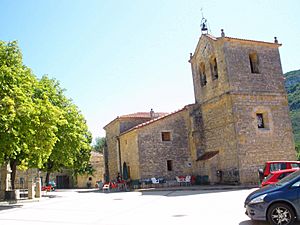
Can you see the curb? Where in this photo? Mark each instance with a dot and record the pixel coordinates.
(198, 188)
(17, 202)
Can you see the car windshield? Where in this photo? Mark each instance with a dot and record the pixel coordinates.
(288, 178)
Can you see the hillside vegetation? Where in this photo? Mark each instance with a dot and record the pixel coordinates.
(292, 84)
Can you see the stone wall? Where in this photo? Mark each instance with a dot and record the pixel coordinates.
(258, 145)
(230, 103)
(219, 134)
(86, 180)
(24, 177)
(154, 153)
(113, 131)
(128, 123)
(268, 79)
(206, 50)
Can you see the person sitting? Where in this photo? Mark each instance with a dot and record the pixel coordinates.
(119, 178)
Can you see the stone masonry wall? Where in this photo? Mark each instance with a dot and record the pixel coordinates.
(97, 162)
(269, 79)
(230, 103)
(112, 132)
(258, 145)
(128, 123)
(154, 153)
(206, 50)
(219, 133)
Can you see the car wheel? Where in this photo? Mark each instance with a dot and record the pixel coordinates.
(281, 214)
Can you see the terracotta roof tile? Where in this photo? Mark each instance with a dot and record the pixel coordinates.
(143, 115)
(156, 119)
(137, 115)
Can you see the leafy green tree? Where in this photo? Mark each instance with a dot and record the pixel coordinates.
(72, 148)
(27, 119)
(81, 163)
(99, 145)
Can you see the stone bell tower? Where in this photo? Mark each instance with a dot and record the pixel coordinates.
(240, 95)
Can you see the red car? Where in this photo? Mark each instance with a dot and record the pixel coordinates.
(275, 176)
(50, 187)
(271, 166)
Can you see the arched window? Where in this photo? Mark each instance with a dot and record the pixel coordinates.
(254, 62)
(203, 80)
(214, 68)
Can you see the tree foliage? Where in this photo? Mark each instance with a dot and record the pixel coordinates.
(28, 120)
(74, 139)
(99, 145)
(39, 126)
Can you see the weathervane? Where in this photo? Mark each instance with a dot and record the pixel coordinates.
(203, 24)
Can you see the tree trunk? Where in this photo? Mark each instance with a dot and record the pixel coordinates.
(47, 178)
(13, 167)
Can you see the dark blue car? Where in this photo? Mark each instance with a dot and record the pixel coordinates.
(278, 203)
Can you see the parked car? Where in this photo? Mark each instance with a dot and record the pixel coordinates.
(277, 203)
(50, 187)
(271, 166)
(275, 176)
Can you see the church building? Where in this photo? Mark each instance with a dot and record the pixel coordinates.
(239, 120)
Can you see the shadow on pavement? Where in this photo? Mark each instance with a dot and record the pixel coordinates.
(175, 193)
(6, 207)
(51, 196)
(252, 222)
(83, 191)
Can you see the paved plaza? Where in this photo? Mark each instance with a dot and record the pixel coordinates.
(169, 207)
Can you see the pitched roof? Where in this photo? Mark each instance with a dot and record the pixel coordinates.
(143, 115)
(138, 115)
(155, 119)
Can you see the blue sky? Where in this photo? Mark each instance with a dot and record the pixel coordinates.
(120, 57)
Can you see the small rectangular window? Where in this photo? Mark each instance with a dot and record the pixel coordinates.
(260, 120)
(166, 136)
(169, 165)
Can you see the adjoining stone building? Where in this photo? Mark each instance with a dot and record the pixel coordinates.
(90, 180)
(157, 148)
(239, 120)
(112, 161)
(63, 179)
